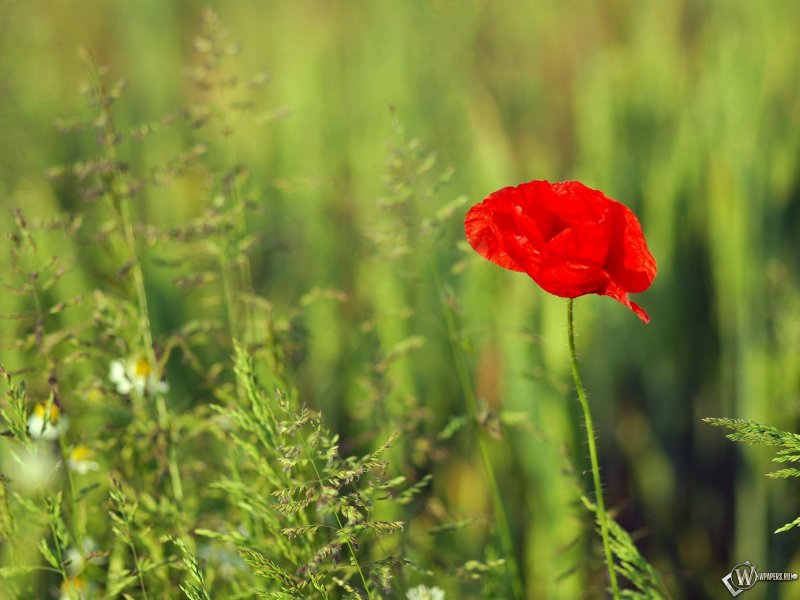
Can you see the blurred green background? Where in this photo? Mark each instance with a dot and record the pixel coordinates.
(686, 111)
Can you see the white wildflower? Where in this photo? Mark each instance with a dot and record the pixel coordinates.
(74, 561)
(423, 592)
(46, 422)
(80, 460)
(135, 375)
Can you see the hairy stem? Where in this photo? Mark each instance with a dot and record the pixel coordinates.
(587, 416)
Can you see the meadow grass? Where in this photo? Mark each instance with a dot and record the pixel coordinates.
(270, 222)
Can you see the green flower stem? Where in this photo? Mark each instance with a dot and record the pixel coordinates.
(78, 509)
(120, 205)
(587, 416)
(149, 350)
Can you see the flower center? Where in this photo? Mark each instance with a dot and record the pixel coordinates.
(81, 453)
(42, 411)
(142, 368)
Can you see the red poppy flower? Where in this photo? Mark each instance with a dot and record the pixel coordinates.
(571, 240)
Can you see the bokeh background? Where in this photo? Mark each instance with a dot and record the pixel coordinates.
(688, 111)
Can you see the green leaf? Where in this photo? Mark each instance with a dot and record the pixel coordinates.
(789, 526)
(48, 554)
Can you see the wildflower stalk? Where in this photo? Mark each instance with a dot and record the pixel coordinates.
(62, 569)
(587, 417)
(245, 272)
(503, 528)
(78, 514)
(121, 206)
(139, 573)
(230, 302)
(147, 339)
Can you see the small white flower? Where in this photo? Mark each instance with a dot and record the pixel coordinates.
(47, 423)
(80, 460)
(423, 592)
(135, 375)
(74, 561)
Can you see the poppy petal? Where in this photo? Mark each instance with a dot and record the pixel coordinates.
(486, 225)
(570, 239)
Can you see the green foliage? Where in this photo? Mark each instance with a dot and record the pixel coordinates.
(231, 485)
(758, 434)
(308, 510)
(195, 587)
(629, 563)
(13, 411)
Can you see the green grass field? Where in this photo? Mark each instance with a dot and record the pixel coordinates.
(264, 209)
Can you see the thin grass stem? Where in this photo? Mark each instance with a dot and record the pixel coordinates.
(338, 520)
(121, 206)
(503, 528)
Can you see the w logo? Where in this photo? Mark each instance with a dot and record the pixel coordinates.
(742, 577)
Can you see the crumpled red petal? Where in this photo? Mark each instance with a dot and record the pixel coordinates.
(485, 226)
(570, 239)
